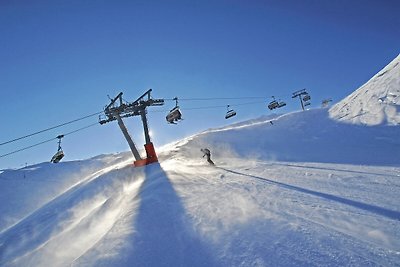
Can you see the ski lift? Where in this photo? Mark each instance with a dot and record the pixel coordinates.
(307, 104)
(230, 113)
(306, 97)
(273, 105)
(59, 154)
(326, 102)
(174, 114)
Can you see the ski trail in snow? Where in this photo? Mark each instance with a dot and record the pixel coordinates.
(225, 205)
(383, 174)
(48, 237)
(344, 219)
(391, 214)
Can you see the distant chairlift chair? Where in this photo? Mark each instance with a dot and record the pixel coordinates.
(174, 114)
(306, 100)
(273, 105)
(306, 97)
(230, 113)
(59, 154)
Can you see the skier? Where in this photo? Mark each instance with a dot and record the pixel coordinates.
(207, 153)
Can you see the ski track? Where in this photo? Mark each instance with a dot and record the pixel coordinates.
(292, 214)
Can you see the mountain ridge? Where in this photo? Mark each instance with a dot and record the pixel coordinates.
(377, 102)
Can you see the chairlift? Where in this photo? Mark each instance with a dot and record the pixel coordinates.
(273, 105)
(326, 102)
(276, 104)
(59, 154)
(230, 113)
(307, 104)
(174, 114)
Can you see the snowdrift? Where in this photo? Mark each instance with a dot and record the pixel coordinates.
(377, 102)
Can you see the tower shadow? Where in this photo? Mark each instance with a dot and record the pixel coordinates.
(164, 234)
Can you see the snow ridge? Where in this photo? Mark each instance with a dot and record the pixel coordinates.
(377, 102)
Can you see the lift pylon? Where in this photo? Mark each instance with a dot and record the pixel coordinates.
(303, 96)
(117, 110)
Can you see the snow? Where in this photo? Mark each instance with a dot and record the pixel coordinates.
(376, 102)
(309, 136)
(280, 194)
(307, 190)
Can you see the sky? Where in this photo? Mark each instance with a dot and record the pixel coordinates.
(63, 60)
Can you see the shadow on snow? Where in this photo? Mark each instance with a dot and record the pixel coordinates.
(164, 234)
(391, 214)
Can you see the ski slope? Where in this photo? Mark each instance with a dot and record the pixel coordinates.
(304, 191)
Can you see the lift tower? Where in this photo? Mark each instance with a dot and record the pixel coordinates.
(303, 96)
(117, 110)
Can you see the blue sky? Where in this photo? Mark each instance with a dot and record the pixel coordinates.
(60, 60)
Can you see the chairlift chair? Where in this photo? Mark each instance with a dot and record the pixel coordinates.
(307, 104)
(306, 97)
(326, 102)
(230, 113)
(59, 154)
(174, 114)
(57, 157)
(273, 105)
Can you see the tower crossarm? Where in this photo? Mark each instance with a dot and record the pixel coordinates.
(129, 109)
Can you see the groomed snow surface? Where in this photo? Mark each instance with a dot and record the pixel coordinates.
(303, 191)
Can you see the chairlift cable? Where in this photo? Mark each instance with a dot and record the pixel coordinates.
(215, 98)
(248, 103)
(223, 106)
(206, 107)
(217, 106)
(46, 141)
(28, 147)
(83, 128)
(98, 113)
(221, 98)
(51, 128)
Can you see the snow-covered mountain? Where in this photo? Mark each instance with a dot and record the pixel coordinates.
(304, 190)
(377, 102)
(309, 136)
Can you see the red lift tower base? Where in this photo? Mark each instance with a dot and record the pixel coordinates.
(151, 156)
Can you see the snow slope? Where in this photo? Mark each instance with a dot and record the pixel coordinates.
(376, 102)
(309, 136)
(304, 191)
